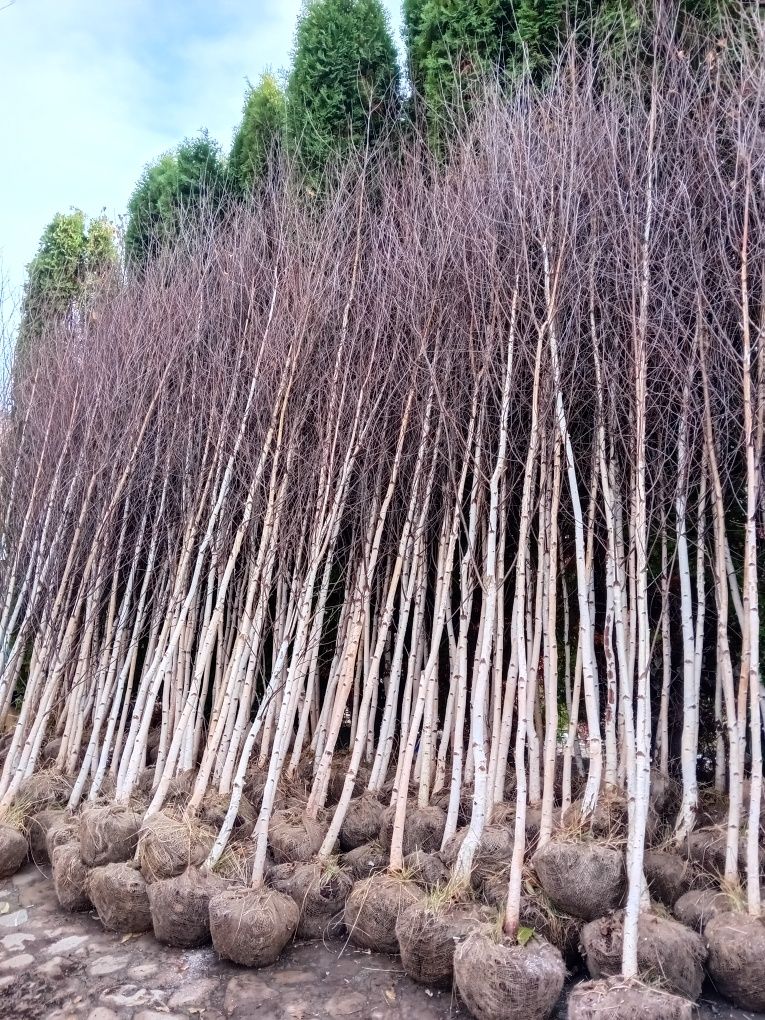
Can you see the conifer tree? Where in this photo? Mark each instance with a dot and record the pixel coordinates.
(192, 174)
(259, 135)
(412, 17)
(452, 42)
(344, 82)
(72, 255)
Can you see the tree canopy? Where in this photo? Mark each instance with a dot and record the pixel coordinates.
(259, 136)
(344, 80)
(192, 174)
(72, 254)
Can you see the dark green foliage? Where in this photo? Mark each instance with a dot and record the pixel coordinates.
(344, 80)
(456, 41)
(451, 42)
(72, 255)
(194, 173)
(260, 134)
(539, 27)
(412, 11)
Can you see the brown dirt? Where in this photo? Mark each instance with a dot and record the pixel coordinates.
(70, 877)
(108, 835)
(366, 860)
(168, 845)
(38, 827)
(423, 828)
(62, 830)
(427, 870)
(668, 875)
(697, 907)
(319, 891)
(362, 822)
(294, 837)
(213, 812)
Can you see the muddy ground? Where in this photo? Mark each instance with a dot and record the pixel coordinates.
(57, 966)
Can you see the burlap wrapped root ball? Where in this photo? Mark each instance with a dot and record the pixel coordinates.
(366, 860)
(668, 875)
(61, 832)
(707, 848)
(493, 855)
(428, 933)
(108, 835)
(238, 860)
(70, 877)
(373, 908)
(179, 907)
(607, 821)
(451, 848)
(320, 891)
(617, 999)
(537, 912)
(423, 828)
(337, 776)
(501, 980)
(13, 850)
(362, 822)
(168, 845)
(38, 827)
(252, 926)
(427, 870)
(121, 898)
(180, 788)
(668, 952)
(736, 963)
(214, 809)
(583, 879)
(44, 789)
(696, 908)
(293, 837)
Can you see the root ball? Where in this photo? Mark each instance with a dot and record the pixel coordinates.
(366, 860)
(582, 879)
(180, 908)
(319, 891)
(167, 846)
(667, 951)
(373, 908)
(108, 835)
(252, 926)
(616, 999)
(736, 943)
(13, 850)
(500, 980)
(362, 822)
(428, 934)
(70, 878)
(121, 898)
(294, 837)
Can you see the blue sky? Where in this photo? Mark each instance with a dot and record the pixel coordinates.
(91, 90)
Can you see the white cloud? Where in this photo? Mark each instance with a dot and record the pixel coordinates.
(90, 91)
